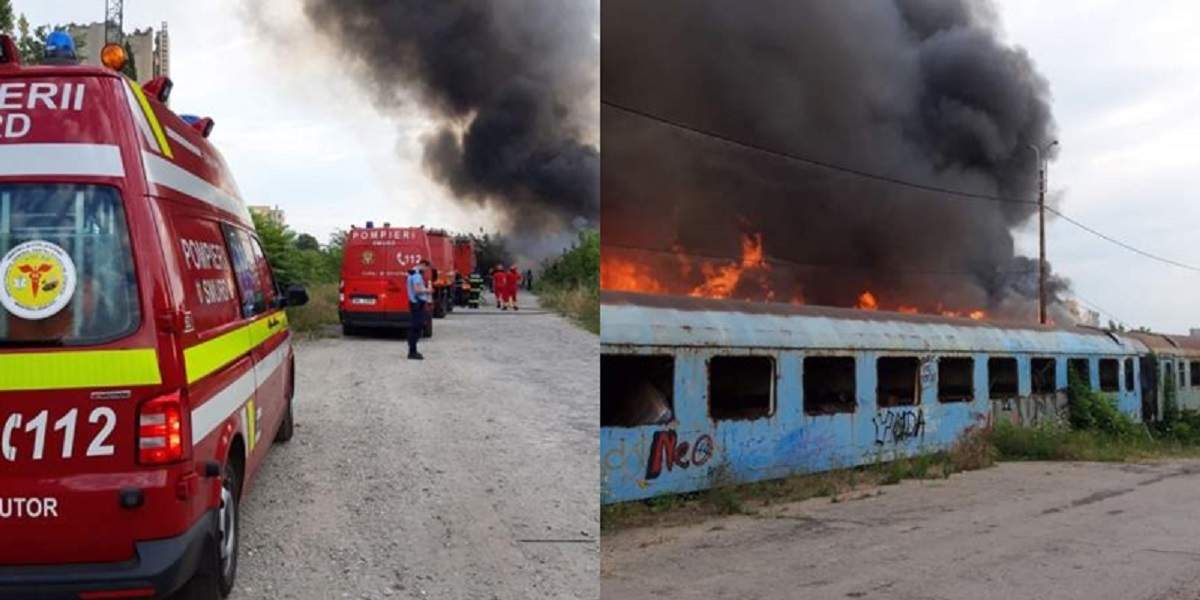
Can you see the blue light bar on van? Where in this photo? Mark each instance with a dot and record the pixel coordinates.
(203, 125)
(60, 44)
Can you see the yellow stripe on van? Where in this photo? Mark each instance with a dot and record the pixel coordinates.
(266, 327)
(155, 126)
(204, 358)
(251, 424)
(81, 369)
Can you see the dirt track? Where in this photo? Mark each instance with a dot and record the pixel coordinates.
(472, 474)
(1019, 530)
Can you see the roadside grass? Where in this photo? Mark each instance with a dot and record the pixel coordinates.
(580, 304)
(315, 318)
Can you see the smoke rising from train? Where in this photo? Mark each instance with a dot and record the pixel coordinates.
(512, 84)
(920, 90)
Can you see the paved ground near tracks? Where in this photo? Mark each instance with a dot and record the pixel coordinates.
(472, 474)
(1019, 530)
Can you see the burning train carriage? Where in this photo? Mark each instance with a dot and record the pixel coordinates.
(1171, 371)
(697, 392)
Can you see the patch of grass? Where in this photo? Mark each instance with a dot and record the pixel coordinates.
(580, 304)
(725, 500)
(1058, 442)
(314, 318)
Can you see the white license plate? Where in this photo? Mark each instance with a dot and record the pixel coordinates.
(367, 301)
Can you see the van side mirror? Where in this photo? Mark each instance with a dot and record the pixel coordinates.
(297, 295)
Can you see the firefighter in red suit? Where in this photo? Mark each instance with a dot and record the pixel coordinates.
(514, 284)
(500, 286)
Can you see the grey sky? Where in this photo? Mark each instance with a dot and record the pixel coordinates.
(1126, 86)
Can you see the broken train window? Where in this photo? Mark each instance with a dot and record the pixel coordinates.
(636, 390)
(829, 385)
(741, 387)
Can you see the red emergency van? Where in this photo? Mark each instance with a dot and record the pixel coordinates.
(375, 265)
(145, 359)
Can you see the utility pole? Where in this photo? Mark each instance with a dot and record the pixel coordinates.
(1042, 266)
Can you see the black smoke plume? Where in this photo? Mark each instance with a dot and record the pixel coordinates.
(919, 90)
(512, 82)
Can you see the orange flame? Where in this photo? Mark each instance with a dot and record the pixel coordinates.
(747, 278)
(720, 282)
(867, 301)
(627, 276)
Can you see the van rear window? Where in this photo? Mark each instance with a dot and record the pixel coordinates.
(66, 272)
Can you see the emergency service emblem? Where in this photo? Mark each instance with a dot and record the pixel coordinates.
(39, 280)
(368, 257)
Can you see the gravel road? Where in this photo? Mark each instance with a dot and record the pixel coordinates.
(472, 474)
(1019, 530)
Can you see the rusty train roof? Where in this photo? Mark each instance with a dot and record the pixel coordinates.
(647, 319)
(808, 310)
(1164, 343)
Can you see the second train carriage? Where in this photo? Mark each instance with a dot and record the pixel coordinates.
(1171, 371)
(698, 392)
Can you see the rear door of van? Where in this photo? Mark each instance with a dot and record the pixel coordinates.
(79, 349)
(373, 272)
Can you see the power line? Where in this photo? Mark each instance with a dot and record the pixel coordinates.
(887, 179)
(1122, 244)
(793, 263)
(814, 162)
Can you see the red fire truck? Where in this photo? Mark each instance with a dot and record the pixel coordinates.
(464, 266)
(375, 266)
(441, 255)
(145, 359)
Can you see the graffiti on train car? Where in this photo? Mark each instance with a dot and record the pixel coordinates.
(897, 426)
(667, 450)
(1031, 410)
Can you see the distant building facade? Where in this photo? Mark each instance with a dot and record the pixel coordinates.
(273, 214)
(149, 49)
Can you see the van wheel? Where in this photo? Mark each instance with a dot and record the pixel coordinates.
(229, 526)
(286, 429)
(214, 580)
(349, 330)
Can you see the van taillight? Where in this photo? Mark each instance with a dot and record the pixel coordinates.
(160, 430)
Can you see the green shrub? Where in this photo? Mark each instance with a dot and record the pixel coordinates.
(570, 283)
(319, 314)
(1092, 411)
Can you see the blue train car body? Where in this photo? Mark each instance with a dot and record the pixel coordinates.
(697, 393)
